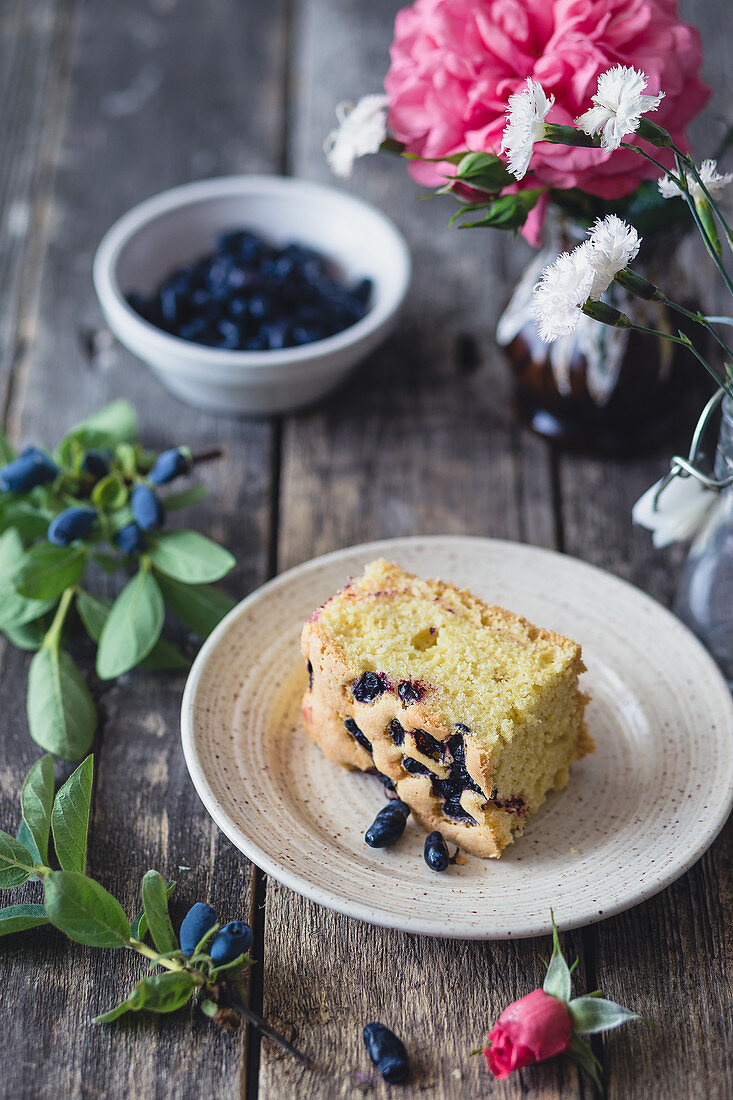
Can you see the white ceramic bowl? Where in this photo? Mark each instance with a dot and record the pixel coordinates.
(180, 225)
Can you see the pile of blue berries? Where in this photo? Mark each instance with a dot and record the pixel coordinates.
(250, 295)
(231, 941)
(389, 825)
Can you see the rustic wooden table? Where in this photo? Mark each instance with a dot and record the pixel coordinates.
(102, 105)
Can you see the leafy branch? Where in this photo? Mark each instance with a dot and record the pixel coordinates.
(210, 967)
(97, 502)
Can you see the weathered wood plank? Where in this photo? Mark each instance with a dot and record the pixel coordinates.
(415, 443)
(671, 958)
(159, 93)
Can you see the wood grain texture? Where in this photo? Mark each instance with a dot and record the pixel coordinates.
(154, 96)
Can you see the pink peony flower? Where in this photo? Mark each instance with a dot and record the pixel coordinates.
(455, 63)
(530, 1030)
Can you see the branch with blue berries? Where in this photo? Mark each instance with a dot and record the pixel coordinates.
(97, 501)
(205, 960)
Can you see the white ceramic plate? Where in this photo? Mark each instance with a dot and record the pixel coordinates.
(635, 815)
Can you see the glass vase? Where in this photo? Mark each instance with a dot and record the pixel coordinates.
(704, 598)
(603, 390)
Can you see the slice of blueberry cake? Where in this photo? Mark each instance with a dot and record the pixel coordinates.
(467, 712)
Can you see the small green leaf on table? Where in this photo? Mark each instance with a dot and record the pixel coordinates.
(16, 862)
(17, 918)
(159, 993)
(29, 636)
(25, 836)
(140, 923)
(557, 980)
(61, 712)
(36, 799)
(46, 570)
(117, 422)
(593, 1014)
(15, 610)
(155, 901)
(132, 627)
(199, 607)
(70, 817)
(190, 557)
(84, 911)
(165, 657)
(93, 612)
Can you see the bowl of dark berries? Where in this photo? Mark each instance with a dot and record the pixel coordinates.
(252, 294)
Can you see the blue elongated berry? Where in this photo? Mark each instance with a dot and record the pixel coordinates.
(32, 468)
(197, 922)
(147, 510)
(169, 465)
(70, 525)
(436, 851)
(130, 539)
(94, 464)
(387, 1052)
(232, 940)
(389, 824)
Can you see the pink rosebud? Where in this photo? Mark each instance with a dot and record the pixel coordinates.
(534, 1028)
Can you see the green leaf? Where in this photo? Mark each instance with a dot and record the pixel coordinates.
(105, 561)
(163, 992)
(109, 492)
(508, 211)
(199, 607)
(593, 1014)
(70, 817)
(46, 570)
(140, 923)
(61, 712)
(29, 636)
(25, 836)
(165, 657)
(240, 963)
(155, 901)
(557, 980)
(185, 498)
(7, 451)
(190, 557)
(586, 1059)
(132, 628)
(25, 518)
(17, 918)
(117, 422)
(16, 864)
(15, 610)
(93, 612)
(36, 799)
(112, 1013)
(84, 911)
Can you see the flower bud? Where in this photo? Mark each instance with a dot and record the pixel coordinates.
(536, 1027)
(569, 135)
(169, 465)
(70, 525)
(199, 920)
(232, 940)
(606, 314)
(147, 510)
(654, 134)
(639, 286)
(130, 539)
(32, 468)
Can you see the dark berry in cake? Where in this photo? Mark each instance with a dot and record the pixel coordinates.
(309, 666)
(414, 767)
(388, 826)
(369, 687)
(387, 1052)
(356, 733)
(436, 851)
(427, 744)
(408, 692)
(396, 732)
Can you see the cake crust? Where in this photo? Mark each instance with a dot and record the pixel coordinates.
(454, 776)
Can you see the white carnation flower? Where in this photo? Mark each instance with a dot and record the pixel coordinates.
(362, 129)
(562, 289)
(710, 176)
(619, 105)
(526, 113)
(613, 245)
(677, 512)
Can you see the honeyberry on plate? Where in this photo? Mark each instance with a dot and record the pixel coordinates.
(71, 524)
(436, 851)
(147, 509)
(389, 824)
(387, 1052)
(234, 939)
(199, 920)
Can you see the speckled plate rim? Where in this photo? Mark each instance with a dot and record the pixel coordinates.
(720, 808)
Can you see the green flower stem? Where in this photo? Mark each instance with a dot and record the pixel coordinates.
(53, 634)
(684, 342)
(709, 244)
(700, 319)
(149, 953)
(690, 163)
